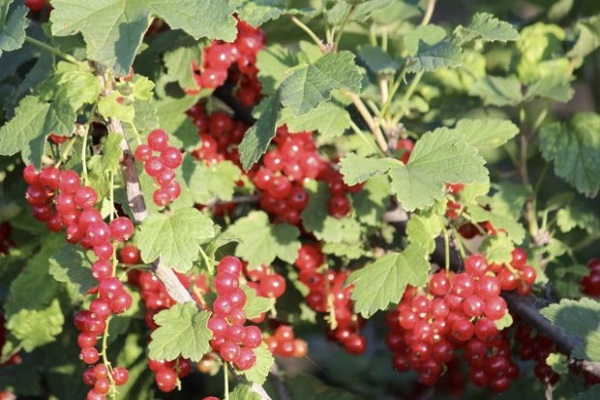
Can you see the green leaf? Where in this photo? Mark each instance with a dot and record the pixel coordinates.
(261, 241)
(34, 328)
(423, 228)
(498, 248)
(12, 28)
(352, 251)
(173, 119)
(116, 106)
(308, 86)
(33, 121)
(275, 63)
(377, 60)
(575, 215)
(257, 138)
(264, 361)
(182, 330)
(317, 220)
(500, 219)
(257, 12)
(179, 65)
(444, 54)
(364, 10)
(213, 181)
(592, 393)
(34, 278)
(243, 391)
(497, 91)
(579, 318)
(111, 153)
(574, 148)
(141, 88)
(422, 35)
(504, 322)
(71, 83)
(372, 201)
(555, 86)
(330, 119)
(558, 363)
(255, 304)
(588, 37)
(486, 133)
(383, 281)
(113, 29)
(71, 266)
(356, 169)
(436, 160)
(489, 28)
(175, 238)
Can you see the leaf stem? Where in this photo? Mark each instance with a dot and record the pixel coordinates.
(226, 382)
(360, 133)
(428, 12)
(409, 92)
(368, 118)
(50, 49)
(310, 33)
(336, 42)
(84, 173)
(392, 93)
(67, 151)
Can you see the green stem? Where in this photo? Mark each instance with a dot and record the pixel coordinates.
(428, 12)
(66, 152)
(447, 250)
(138, 137)
(84, 173)
(310, 33)
(409, 92)
(50, 49)
(362, 135)
(226, 381)
(206, 259)
(392, 93)
(105, 360)
(336, 42)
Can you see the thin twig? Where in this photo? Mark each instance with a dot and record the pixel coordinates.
(428, 12)
(371, 123)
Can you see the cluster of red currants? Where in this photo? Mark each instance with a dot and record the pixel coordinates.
(327, 294)
(281, 177)
(219, 135)
(161, 167)
(535, 346)
(231, 339)
(59, 199)
(590, 284)
(219, 58)
(155, 298)
(284, 344)
(265, 282)
(456, 311)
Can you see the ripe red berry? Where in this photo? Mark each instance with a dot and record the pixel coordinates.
(142, 153)
(121, 229)
(158, 140)
(166, 379)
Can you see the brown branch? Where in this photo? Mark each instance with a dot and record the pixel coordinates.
(137, 204)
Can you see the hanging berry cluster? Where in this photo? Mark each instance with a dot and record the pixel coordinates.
(234, 61)
(327, 294)
(161, 167)
(283, 343)
(457, 311)
(231, 339)
(59, 200)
